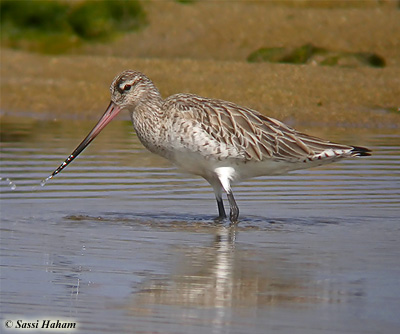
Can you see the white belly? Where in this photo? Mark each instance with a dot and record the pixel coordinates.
(198, 165)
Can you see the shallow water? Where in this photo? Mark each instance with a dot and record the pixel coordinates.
(122, 242)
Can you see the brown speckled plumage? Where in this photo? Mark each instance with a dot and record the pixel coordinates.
(215, 139)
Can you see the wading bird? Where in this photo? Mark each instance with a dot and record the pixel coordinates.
(215, 139)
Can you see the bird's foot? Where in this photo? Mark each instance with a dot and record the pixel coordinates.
(220, 219)
(234, 215)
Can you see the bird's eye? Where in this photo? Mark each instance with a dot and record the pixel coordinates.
(127, 87)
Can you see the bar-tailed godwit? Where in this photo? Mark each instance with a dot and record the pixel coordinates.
(215, 139)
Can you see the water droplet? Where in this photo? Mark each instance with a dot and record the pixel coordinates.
(12, 185)
(43, 183)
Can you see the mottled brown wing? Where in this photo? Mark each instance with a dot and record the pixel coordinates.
(254, 135)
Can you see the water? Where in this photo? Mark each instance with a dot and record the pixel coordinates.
(122, 242)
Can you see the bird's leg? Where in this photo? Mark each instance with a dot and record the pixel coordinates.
(234, 209)
(216, 184)
(225, 176)
(221, 209)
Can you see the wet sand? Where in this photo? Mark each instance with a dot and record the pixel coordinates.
(187, 48)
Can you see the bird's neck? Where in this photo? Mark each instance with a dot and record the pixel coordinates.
(147, 118)
(150, 102)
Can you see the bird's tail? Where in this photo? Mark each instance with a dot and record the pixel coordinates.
(358, 151)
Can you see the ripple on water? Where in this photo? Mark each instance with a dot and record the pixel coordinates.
(121, 240)
(124, 178)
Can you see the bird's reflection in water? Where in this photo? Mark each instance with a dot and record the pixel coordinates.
(226, 276)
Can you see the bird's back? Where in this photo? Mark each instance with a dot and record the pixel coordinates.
(222, 130)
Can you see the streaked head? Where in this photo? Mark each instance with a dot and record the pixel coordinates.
(127, 90)
(131, 87)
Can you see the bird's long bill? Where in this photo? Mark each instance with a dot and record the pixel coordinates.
(111, 112)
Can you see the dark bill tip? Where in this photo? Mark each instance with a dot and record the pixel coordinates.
(108, 116)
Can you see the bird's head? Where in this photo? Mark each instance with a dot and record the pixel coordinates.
(130, 88)
(127, 90)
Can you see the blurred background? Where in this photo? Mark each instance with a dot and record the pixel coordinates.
(331, 62)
